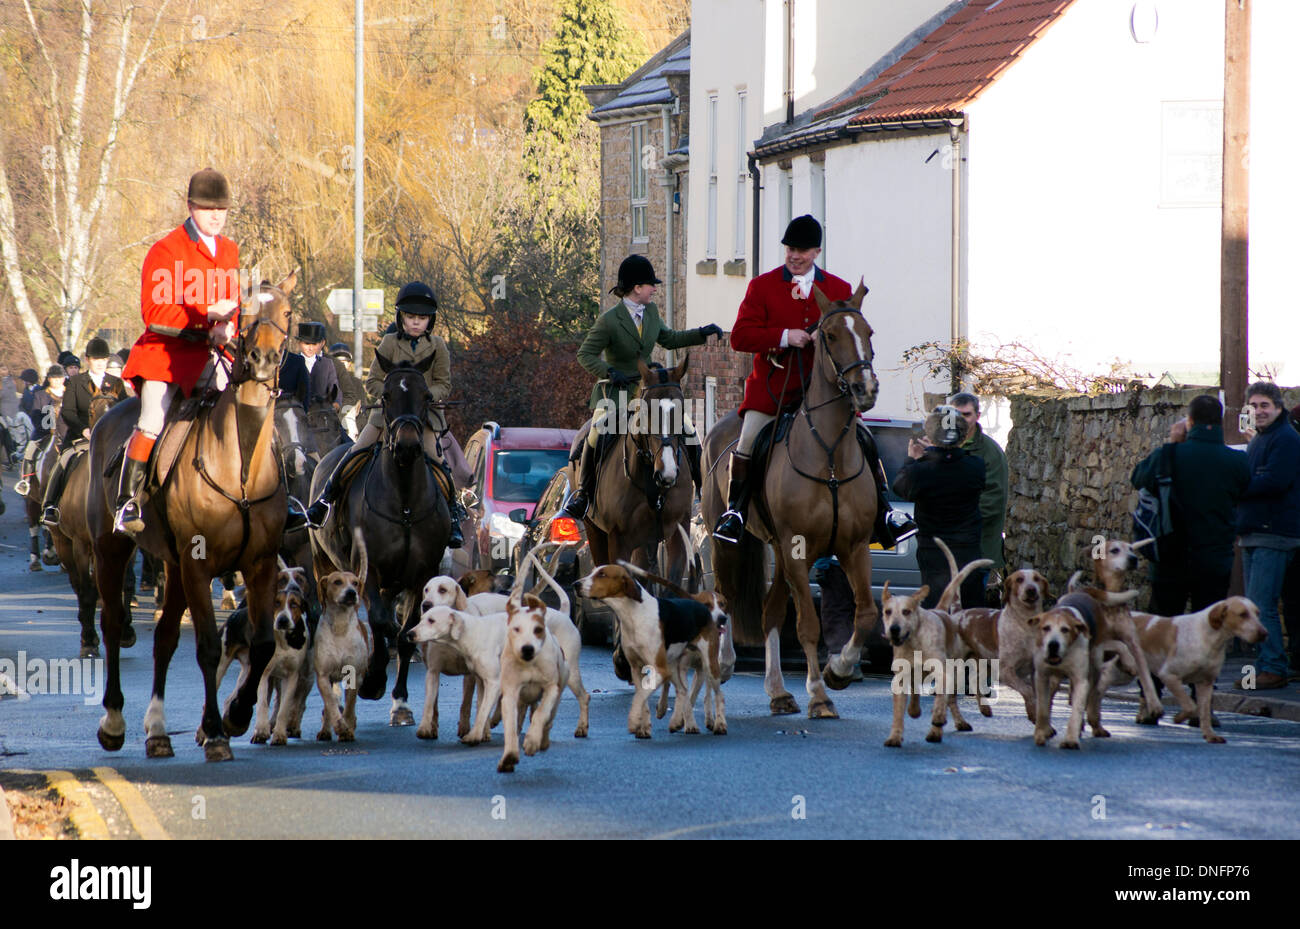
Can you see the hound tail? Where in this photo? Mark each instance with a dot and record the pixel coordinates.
(952, 593)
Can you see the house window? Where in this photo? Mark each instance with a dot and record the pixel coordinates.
(640, 230)
(817, 178)
(742, 170)
(711, 244)
(787, 197)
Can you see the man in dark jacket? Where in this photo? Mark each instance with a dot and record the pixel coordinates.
(82, 389)
(1208, 481)
(352, 393)
(945, 482)
(1268, 521)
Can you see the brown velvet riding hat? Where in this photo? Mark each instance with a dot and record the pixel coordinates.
(209, 190)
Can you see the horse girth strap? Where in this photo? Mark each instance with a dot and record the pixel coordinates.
(242, 501)
(832, 482)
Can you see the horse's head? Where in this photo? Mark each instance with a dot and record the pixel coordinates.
(661, 420)
(264, 328)
(406, 400)
(844, 348)
(98, 407)
(295, 438)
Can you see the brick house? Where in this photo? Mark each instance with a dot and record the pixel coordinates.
(644, 164)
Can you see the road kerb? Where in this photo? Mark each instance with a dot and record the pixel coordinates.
(138, 811)
(84, 816)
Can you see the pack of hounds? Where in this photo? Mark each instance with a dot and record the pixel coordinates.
(517, 655)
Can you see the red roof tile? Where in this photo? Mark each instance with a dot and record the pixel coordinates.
(953, 65)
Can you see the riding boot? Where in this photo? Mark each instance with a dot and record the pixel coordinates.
(578, 503)
(457, 512)
(130, 519)
(296, 517)
(693, 459)
(731, 526)
(891, 526)
(319, 511)
(53, 491)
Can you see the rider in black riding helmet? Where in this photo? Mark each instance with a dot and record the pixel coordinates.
(412, 343)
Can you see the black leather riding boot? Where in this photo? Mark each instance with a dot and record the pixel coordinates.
(578, 503)
(50, 498)
(457, 538)
(129, 517)
(693, 459)
(319, 511)
(731, 526)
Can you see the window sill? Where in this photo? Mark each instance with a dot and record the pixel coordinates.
(735, 268)
(707, 266)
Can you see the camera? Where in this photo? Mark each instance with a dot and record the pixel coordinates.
(1246, 420)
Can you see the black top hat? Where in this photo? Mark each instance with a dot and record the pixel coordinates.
(311, 332)
(97, 348)
(803, 232)
(635, 269)
(208, 190)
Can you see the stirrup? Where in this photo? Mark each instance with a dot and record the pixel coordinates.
(730, 528)
(318, 514)
(901, 526)
(50, 516)
(22, 487)
(128, 520)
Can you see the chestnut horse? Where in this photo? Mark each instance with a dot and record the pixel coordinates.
(644, 492)
(816, 498)
(201, 530)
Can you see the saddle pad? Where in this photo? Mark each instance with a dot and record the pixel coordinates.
(353, 468)
(768, 436)
(169, 444)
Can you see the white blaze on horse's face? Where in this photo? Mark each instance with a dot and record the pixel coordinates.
(668, 475)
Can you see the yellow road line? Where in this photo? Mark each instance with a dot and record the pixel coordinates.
(137, 810)
(90, 825)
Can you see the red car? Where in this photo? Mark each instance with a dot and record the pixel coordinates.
(510, 468)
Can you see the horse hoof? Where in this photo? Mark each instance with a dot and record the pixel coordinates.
(218, 749)
(233, 726)
(158, 746)
(111, 743)
(833, 680)
(824, 709)
(128, 637)
(89, 651)
(402, 716)
(783, 705)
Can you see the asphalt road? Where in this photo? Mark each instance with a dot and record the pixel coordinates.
(770, 777)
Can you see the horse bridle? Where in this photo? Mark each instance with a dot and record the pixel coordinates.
(391, 426)
(840, 372)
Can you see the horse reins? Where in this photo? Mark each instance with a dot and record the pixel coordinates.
(832, 482)
(655, 495)
(242, 501)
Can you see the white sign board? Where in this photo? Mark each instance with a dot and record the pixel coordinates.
(340, 301)
(368, 323)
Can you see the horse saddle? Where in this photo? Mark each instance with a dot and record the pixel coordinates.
(769, 436)
(180, 418)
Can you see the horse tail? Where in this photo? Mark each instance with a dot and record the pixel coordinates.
(740, 572)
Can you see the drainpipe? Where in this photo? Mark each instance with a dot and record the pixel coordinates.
(954, 136)
(667, 181)
(755, 177)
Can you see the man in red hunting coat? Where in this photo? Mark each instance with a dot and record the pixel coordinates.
(774, 317)
(189, 299)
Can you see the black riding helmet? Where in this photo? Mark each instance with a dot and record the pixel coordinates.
(417, 299)
(340, 350)
(635, 269)
(97, 348)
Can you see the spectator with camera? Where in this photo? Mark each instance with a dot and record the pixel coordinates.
(1268, 522)
(945, 481)
(1208, 479)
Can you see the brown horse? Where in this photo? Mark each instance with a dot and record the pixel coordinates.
(817, 497)
(72, 542)
(201, 529)
(643, 492)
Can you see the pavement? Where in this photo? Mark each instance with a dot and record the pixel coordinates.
(1283, 703)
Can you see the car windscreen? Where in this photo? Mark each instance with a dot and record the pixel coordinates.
(520, 476)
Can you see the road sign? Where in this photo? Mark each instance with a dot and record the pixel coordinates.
(340, 301)
(368, 323)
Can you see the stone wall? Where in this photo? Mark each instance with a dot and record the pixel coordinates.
(1070, 458)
